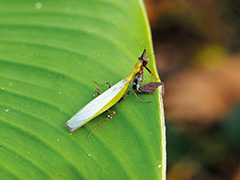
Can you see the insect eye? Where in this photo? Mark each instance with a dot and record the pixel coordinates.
(143, 58)
(145, 61)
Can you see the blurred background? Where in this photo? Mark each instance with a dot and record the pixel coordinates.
(197, 48)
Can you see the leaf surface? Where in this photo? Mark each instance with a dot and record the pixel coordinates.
(50, 53)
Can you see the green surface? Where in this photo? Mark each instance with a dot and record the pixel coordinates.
(50, 53)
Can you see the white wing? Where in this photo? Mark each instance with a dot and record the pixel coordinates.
(92, 108)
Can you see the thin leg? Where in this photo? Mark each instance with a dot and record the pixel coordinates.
(151, 73)
(108, 117)
(135, 95)
(97, 91)
(103, 84)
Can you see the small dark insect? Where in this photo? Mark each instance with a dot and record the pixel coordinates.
(147, 88)
(150, 87)
(111, 96)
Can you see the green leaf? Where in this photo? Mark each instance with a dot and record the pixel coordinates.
(50, 53)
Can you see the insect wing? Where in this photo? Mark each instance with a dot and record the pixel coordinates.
(150, 87)
(96, 106)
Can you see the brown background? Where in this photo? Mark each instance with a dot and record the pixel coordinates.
(197, 48)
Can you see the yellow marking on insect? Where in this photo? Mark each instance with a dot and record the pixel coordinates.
(107, 99)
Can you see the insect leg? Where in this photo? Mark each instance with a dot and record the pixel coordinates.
(135, 95)
(103, 84)
(149, 70)
(109, 116)
(97, 91)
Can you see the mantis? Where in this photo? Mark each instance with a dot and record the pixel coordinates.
(113, 95)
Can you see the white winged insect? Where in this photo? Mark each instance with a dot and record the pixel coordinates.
(111, 96)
